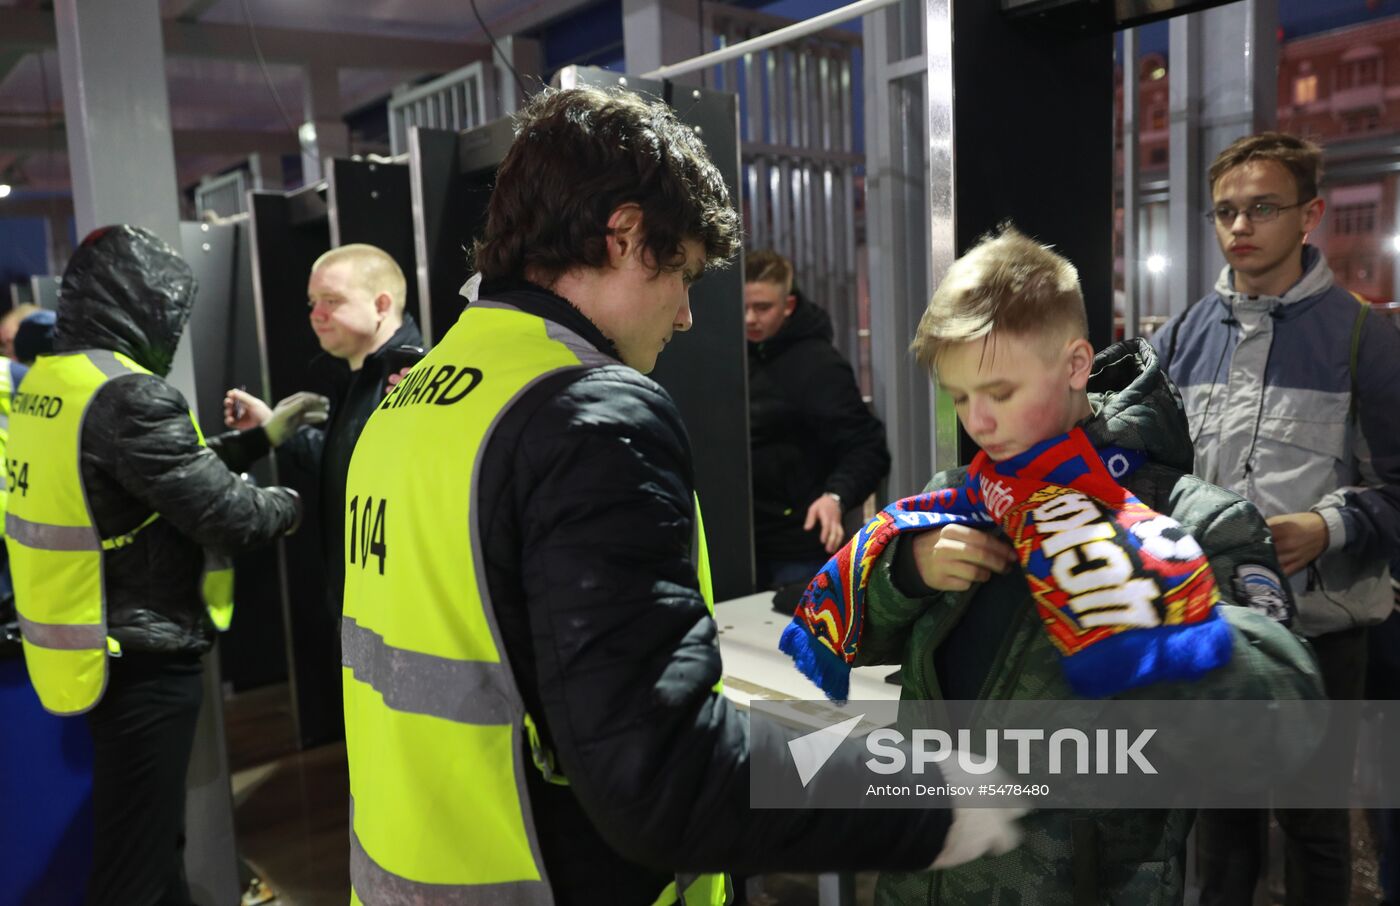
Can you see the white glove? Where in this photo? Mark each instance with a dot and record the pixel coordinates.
(976, 832)
(304, 408)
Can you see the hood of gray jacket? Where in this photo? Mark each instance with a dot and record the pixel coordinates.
(1317, 278)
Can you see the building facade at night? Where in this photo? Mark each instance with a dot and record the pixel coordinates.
(1339, 88)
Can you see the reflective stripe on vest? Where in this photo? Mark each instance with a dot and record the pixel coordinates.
(55, 549)
(6, 389)
(434, 721)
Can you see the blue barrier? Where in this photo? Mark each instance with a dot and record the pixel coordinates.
(45, 798)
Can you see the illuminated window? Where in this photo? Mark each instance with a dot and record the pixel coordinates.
(1305, 89)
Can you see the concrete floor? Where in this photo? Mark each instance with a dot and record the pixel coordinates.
(291, 814)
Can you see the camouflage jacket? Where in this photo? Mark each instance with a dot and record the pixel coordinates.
(1088, 858)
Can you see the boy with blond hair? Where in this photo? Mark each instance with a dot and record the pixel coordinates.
(947, 597)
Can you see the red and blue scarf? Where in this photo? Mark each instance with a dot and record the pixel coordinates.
(1125, 594)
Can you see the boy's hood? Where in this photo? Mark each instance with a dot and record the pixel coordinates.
(1136, 407)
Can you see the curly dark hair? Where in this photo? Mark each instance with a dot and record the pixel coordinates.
(580, 153)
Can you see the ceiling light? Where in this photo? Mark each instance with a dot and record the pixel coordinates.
(1156, 264)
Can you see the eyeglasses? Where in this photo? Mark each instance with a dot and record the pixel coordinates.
(1262, 212)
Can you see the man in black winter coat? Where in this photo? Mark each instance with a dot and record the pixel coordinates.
(817, 449)
(355, 304)
(141, 458)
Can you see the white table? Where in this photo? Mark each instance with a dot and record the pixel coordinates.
(754, 668)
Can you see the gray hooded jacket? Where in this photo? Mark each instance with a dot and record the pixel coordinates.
(1267, 382)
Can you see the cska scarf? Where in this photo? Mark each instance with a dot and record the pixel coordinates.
(1126, 596)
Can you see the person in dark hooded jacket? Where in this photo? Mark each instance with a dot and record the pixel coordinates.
(817, 450)
(142, 459)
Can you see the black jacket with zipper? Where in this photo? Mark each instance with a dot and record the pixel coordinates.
(325, 451)
(586, 519)
(810, 432)
(128, 292)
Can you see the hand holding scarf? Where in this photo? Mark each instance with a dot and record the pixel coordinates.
(1125, 594)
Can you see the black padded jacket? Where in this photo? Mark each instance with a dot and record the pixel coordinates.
(325, 451)
(810, 433)
(126, 291)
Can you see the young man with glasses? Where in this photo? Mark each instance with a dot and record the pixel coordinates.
(1292, 390)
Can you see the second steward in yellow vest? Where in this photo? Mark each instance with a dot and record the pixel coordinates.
(121, 522)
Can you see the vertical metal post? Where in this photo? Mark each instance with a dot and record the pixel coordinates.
(1392, 248)
(117, 116)
(909, 190)
(122, 164)
(940, 176)
(1185, 172)
(56, 242)
(266, 170)
(657, 32)
(1224, 85)
(526, 55)
(328, 135)
(941, 200)
(1131, 164)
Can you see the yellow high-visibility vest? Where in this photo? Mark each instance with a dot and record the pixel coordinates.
(55, 548)
(436, 731)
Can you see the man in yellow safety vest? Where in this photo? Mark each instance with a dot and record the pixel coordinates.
(120, 523)
(531, 680)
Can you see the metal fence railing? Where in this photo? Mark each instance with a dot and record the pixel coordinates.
(223, 196)
(802, 177)
(459, 100)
